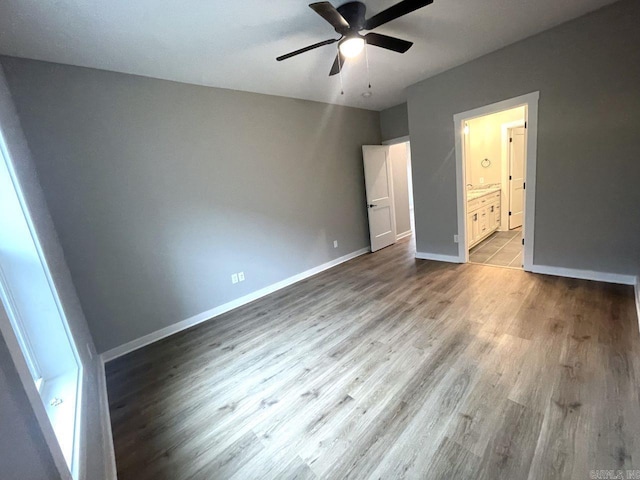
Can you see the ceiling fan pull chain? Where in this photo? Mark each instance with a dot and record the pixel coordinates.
(366, 57)
(340, 73)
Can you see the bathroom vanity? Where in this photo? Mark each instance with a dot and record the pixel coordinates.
(483, 214)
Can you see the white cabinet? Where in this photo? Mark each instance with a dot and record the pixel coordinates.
(473, 227)
(483, 217)
(492, 217)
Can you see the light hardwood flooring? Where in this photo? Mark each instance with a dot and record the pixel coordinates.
(390, 367)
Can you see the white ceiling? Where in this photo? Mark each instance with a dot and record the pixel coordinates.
(233, 44)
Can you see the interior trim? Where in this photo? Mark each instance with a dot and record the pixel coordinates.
(42, 419)
(637, 288)
(394, 141)
(560, 272)
(109, 454)
(402, 235)
(584, 274)
(438, 258)
(214, 312)
(530, 101)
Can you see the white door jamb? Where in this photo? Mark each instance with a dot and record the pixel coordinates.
(529, 100)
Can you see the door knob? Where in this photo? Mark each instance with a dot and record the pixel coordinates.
(371, 205)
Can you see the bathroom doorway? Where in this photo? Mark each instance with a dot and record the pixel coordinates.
(494, 170)
(496, 154)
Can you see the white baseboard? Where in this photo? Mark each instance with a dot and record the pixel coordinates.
(406, 234)
(437, 257)
(214, 312)
(637, 288)
(109, 456)
(584, 274)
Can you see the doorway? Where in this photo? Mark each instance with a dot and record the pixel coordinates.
(494, 171)
(495, 164)
(389, 191)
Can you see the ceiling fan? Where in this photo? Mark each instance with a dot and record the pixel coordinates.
(349, 20)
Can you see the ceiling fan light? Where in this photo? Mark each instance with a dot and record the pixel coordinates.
(351, 47)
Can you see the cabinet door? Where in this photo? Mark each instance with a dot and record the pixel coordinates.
(470, 238)
(484, 221)
(476, 225)
(498, 215)
(492, 217)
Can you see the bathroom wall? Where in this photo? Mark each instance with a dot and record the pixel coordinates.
(484, 140)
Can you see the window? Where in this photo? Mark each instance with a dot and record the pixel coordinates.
(34, 310)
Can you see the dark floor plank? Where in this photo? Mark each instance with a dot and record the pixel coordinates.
(390, 367)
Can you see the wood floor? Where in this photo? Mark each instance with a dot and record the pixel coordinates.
(390, 367)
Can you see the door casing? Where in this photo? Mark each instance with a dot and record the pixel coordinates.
(515, 217)
(530, 101)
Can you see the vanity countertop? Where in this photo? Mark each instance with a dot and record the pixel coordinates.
(480, 192)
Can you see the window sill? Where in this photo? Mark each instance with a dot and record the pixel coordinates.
(60, 398)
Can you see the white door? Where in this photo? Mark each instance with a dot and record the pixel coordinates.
(379, 189)
(517, 144)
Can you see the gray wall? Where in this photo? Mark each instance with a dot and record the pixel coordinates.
(91, 435)
(160, 191)
(23, 451)
(588, 170)
(394, 122)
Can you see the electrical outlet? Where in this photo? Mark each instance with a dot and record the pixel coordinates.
(481, 180)
(335, 244)
(234, 278)
(455, 239)
(241, 277)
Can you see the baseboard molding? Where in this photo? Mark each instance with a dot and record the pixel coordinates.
(109, 455)
(637, 288)
(584, 274)
(438, 258)
(214, 312)
(406, 234)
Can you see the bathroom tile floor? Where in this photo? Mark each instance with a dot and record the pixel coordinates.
(503, 249)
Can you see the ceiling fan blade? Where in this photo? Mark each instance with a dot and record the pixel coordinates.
(390, 43)
(398, 10)
(306, 49)
(330, 14)
(338, 63)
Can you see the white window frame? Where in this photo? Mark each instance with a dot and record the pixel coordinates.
(23, 356)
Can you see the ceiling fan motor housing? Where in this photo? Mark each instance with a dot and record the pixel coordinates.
(353, 13)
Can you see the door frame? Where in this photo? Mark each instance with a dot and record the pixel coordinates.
(504, 128)
(530, 102)
(510, 174)
(397, 141)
